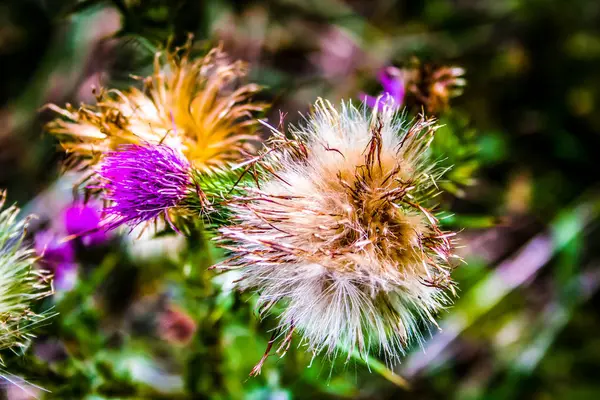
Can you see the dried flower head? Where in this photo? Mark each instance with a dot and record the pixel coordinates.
(431, 87)
(418, 86)
(338, 233)
(142, 182)
(190, 105)
(20, 283)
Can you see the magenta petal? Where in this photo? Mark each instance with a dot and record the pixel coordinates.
(52, 249)
(142, 182)
(393, 84)
(369, 100)
(65, 275)
(82, 218)
(393, 89)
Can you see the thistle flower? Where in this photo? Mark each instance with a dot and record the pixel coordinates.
(20, 283)
(186, 104)
(418, 86)
(338, 233)
(54, 251)
(84, 220)
(392, 81)
(142, 182)
(58, 257)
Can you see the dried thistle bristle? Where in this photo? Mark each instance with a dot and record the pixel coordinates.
(339, 233)
(20, 283)
(190, 105)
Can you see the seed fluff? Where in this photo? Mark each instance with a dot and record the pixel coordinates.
(339, 238)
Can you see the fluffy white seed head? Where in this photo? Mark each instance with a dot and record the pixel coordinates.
(337, 233)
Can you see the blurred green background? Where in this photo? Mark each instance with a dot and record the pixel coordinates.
(526, 323)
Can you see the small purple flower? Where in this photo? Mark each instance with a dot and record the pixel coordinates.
(84, 220)
(65, 275)
(391, 78)
(58, 256)
(52, 249)
(142, 182)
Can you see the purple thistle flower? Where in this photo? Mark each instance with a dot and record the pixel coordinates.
(84, 220)
(65, 275)
(57, 256)
(142, 182)
(393, 89)
(52, 249)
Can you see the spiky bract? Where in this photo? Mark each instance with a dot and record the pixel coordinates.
(20, 283)
(190, 105)
(338, 233)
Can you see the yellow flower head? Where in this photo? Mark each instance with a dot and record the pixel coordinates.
(190, 105)
(339, 233)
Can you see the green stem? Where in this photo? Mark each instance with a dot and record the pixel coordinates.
(204, 377)
(382, 370)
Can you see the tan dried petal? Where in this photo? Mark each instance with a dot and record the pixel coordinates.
(191, 105)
